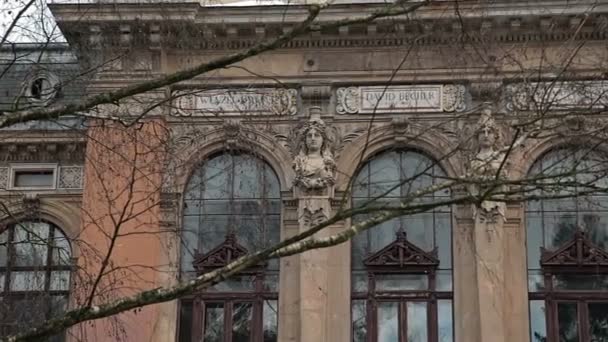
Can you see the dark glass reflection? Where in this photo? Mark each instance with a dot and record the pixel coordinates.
(416, 322)
(214, 323)
(598, 322)
(388, 322)
(270, 326)
(567, 322)
(359, 321)
(241, 322)
(185, 322)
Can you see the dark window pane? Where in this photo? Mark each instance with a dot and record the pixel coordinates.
(538, 330)
(567, 322)
(34, 179)
(559, 229)
(384, 175)
(444, 280)
(536, 281)
(359, 312)
(3, 248)
(241, 322)
(444, 318)
(235, 284)
(185, 322)
(388, 322)
(396, 282)
(30, 244)
(598, 321)
(270, 321)
(534, 232)
(62, 252)
(214, 323)
(416, 322)
(580, 281)
(27, 281)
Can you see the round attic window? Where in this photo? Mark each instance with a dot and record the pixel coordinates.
(41, 88)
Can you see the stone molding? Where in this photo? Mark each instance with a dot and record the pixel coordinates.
(42, 152)
(228, 28)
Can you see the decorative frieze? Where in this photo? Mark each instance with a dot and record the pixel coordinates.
(70, 177)
(4, 173)
(260, 101)
(401, 99)
(542, 96)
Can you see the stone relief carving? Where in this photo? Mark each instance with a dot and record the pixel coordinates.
(4, 178)
(70, 177)
(314, 163)
(401, 99)
(560, 95)
(488, 163)
(348, 100)
(454, 98)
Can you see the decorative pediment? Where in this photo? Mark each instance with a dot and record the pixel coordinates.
(402, 253)
(220, 256)
(579, 251)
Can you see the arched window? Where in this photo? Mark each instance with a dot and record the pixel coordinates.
(231, 207)
(567, 241)
(402, 268)
(35, 265)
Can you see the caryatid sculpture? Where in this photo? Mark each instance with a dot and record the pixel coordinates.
(488, 164)
(314, 164)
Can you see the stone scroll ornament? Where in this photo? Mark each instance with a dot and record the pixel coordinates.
(401, 99)
(486, 164)
(314, 163)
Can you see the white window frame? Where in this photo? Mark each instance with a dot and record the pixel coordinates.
(14, 168)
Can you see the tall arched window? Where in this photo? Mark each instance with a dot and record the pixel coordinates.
(35, 266)
(567, 241)
(231, 207)
(402, 268)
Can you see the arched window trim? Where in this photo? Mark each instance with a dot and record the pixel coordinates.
(255, 294)
(577, 260)
(53, 287)
(402, 257)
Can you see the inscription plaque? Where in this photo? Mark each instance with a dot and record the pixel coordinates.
(261, 101)
(400, 99)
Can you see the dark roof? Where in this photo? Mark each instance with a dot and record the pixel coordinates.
(21, 63)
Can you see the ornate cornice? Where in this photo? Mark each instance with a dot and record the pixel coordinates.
(154, 25)
(402, 254)
(580, 251)
(220, 256)
(43, 151)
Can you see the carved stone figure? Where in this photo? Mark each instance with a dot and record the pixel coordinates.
(489, 162)
(314, 165)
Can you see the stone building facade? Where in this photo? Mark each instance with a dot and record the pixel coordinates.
(298, 132)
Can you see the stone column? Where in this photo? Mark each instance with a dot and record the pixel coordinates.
(313, 208)
(488, 235)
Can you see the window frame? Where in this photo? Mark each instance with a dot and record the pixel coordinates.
(229, 250)
(49, 267)
(568, 258)
(32, 167)
(427, 264)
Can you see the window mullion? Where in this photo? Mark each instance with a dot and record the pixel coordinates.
(583, 321)
(402, 321)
